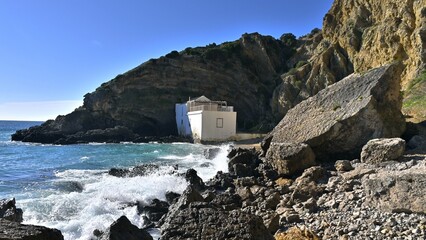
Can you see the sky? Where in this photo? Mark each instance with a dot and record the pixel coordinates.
(53, 52)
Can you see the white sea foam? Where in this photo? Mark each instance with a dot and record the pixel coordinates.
(104, 198)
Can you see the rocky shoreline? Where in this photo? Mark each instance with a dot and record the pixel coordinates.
(324, 202)
(334, 168)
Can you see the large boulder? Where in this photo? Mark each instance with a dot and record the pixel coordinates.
(340, 119)
(16, 231)
(289, 158)
(123, 229)
(382, 150)
(205, 221)
(9, 211)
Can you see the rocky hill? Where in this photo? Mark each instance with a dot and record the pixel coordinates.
(141, 101)
(261, 76)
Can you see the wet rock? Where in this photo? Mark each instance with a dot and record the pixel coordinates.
(9, 211)
(141, 170)
(338, 121)
(13, 230)
(154, 210)
(171, 197)
(290, 158)
(382, 150)
(123, 229)
(211, 153)
(343, 165)
(194, 180)
(204, 221)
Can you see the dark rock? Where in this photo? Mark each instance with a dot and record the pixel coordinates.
(204, 221)
(227, 201)
(154, 210)
(171, 197)
(123, 229)
(9, 211)
(188, 196)
(417, 142)
(382, 150)
(243, 156)
(211, 153)
(243, 162)
(338, 121)
(272, 223)
(97, 233)
(241, 170)
(12, 230)
(141, 170)
(194, 180)
(267, 172)
(221, 181)
(272, 201)
(290, 158)
(246, 181)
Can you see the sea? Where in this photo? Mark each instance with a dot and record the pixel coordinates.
(68, 186)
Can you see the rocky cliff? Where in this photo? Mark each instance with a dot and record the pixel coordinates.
(261, 76)
(358, 36)
(141, 101)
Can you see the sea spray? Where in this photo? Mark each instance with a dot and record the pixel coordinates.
(68, 187)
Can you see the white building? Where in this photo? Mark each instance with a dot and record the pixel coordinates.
(206, 120)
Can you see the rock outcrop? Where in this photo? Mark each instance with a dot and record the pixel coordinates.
(9, 211)
(123, 229)
(340, 119)
(356, 37)
(16, 231)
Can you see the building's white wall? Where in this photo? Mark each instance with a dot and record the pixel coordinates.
(196, 123)
(210, 131)
(182, 121)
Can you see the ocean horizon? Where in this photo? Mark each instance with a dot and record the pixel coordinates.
(68, 186)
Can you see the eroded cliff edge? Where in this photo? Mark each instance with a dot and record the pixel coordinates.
(261, 76)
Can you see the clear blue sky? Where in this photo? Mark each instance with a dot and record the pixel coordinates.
(52, 52)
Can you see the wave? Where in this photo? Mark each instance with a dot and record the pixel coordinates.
(83, 200)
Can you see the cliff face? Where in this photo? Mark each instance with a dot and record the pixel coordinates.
(242, 72)
(357, 36)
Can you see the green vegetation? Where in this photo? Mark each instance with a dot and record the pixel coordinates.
(417, 81)
(414, 103)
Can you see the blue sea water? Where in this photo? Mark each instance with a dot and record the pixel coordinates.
(68, 187)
